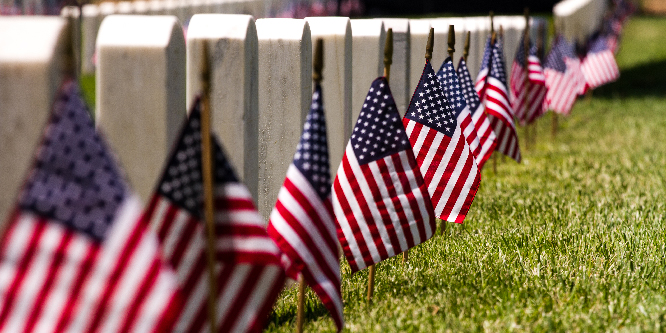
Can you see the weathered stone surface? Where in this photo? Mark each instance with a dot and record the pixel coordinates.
(400, 70)
(232, 43)
(141, 92)
(369, 38)
(285, 93)
(419, 30)
(337, 82)
(33, 61)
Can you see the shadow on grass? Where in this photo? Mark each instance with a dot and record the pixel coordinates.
(648, 79)
(313, 310)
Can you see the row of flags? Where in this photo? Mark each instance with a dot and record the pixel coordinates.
(78, 253)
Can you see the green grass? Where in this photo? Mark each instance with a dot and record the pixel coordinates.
(573, 239)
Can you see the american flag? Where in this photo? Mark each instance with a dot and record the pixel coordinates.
(527, 96)
(599, 66)
(564, 78)
(76, 257)
(381, 202)
(492, 89)
(448, 78)
(442, 153)
(484, 131)
(302, 222)
(248, 269)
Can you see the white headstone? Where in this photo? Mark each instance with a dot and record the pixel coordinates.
(400, 70)
(124, 7)
(157, 7)
(32, 63)
(141, 7)
(285, 94)
(141, 92)
(419, 30)
(336, 84)
(232, 43)
(369, 38)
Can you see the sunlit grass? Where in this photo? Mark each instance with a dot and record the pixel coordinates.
(572, 239)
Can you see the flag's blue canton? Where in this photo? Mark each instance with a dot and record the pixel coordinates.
(379, 131)
(555, 59)
(75, 181)
(182, 180)
(497, 66)
(485, 62)
(311, 156)
(449, 80)
(520, 55)
(599, 44)
(467, 86)
(429, 106)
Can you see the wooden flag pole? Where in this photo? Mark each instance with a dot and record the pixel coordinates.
(466, 49)
(301, 304)
(388, 60)
(540, 55)
(526, 64)
(451, 49)
(207, 162)
(553, 129)
(492, 25)
(388, 54)
(317, 66)
(452, 41)
(493, 39)
(501, 35)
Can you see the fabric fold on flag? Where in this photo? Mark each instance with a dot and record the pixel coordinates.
(564, 78)
(380, 199)
(493, 91)
(527, 91)
(484, 130)
(442, 153)
(302, 222)
(448, 79)
(599, 66)
(76, 256)
(248, 266)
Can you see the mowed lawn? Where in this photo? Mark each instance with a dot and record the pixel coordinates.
(572, 239)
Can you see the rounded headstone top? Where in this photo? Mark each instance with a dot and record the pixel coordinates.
(137, 30)
(30, 39)
(367, 27)
(327, 25)
(283, 28)
(219, 26)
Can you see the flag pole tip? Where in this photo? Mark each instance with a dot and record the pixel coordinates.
(318, 61)
(452, 41)
(430, 44)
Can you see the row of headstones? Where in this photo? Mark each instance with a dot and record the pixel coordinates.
(578, 19)
(94, 14)
(147, 74)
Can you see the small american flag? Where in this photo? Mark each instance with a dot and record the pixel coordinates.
(599, 66)
(491, 87)
(248, 268)
(527, 96)
(448, 78)
(484, 131)
(380, 200)
(302, 222)
(76, 257)
(563, 77)
(442, 153)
